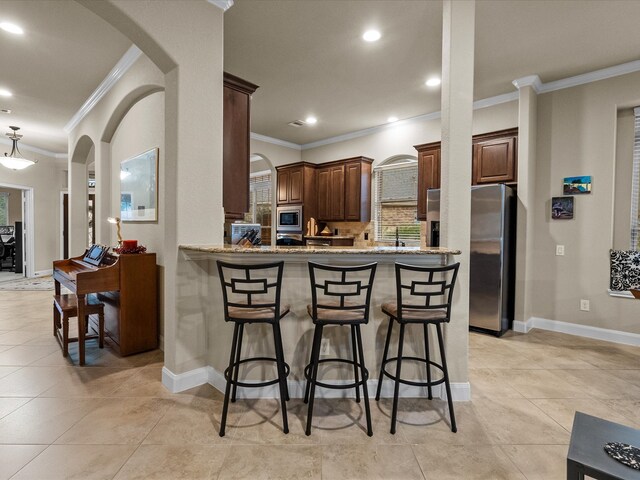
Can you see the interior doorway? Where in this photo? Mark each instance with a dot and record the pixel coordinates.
(64, 220)
(16, 232)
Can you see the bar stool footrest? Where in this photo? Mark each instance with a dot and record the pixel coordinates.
(307, 374)
(228, 376)
(412, 382)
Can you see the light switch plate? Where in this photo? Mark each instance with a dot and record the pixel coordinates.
(559, 250)
(584, 305)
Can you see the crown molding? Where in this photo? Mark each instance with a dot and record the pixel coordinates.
(275, 141)
(29, 148)
(596, 75)
(223, 5)
(532, 81)
(116, 73)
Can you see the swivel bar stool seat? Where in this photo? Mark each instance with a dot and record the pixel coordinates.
(251, 294)
(340, 295)
(423, 296)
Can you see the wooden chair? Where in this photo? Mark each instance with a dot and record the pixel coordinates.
(65, 307)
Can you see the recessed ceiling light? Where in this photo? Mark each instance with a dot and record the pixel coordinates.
(371, 36)
(433, 82)
(311, 120)
(5, 93)
(392, 119)
(11, 28)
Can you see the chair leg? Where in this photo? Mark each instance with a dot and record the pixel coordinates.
(236, 370)
(311, 357)
(55, 319)
(282, 378)
(317, 338)
(355, 361)
(426, 351)
(227, 392)
(396, 389)
(443, 358)
(279, 345)
(65, 336)
(365, 390)
(384, 358)
(101, 330)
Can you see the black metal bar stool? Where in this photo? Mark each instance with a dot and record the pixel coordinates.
(424, 296)
(251, 294)
(344, 298)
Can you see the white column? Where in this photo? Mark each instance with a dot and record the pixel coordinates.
(527, 120)
(458, 30)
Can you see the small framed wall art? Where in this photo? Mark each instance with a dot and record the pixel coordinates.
(562, 208)
(576, 185)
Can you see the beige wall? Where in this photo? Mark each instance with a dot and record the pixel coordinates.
(577, 136)
(47, 180)
(15, 204)
(276, 154)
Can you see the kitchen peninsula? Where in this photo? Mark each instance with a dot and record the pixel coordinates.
(210, 331)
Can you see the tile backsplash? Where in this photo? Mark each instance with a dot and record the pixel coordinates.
(358, 229)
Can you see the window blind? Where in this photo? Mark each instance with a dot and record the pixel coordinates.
(635, 189)
(396, 193)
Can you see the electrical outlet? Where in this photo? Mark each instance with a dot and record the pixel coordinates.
(366, 235)
(584, 305)
(324, 346)
(560, 250)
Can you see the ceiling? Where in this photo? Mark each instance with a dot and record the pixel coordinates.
(64, 54)
(309, 59)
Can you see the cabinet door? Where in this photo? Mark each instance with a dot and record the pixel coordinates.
(494, 161)
(235, 158)
(283, 186)
(324, 195)
(352, 194)
(296, 186)
(428, 177)
(337, 193)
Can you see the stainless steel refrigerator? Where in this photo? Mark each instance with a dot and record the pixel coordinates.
(492, 256)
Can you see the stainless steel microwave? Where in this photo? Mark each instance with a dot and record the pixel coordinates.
(289, 218)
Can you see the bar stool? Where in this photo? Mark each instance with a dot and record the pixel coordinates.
(424, 296)
(66, 307)
(251, 294)
(345, 295)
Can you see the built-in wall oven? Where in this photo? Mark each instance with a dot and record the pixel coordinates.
(289, 218)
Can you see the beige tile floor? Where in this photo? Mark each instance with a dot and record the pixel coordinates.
(114, 419)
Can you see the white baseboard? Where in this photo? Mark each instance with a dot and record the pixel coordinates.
(43, 273)
(605, 334)
(460, 391)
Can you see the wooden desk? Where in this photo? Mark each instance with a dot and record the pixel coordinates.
(127, 285)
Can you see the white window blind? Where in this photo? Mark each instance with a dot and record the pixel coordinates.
(396, 194)
(635, 189)
(4, 208)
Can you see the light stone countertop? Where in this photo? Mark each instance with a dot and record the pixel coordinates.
(306, 250)
(329, 237)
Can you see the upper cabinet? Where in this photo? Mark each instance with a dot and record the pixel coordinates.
(344, 190)
(296, 182)
(494, 157)
(235, 150)
(494, 160)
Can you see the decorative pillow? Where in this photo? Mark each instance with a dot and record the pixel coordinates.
(625, 269)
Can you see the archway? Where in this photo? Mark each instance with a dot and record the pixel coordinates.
(262, 180)
(78, 232)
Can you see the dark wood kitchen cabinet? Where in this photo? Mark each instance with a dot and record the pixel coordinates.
(428, 174)
(494, 157)
(344, 190)
(235, 151)
(295, 183)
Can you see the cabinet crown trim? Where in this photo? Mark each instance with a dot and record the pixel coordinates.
(239, 84)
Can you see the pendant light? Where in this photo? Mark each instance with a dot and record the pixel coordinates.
(15, 160)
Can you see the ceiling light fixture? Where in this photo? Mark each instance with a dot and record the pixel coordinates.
(311, 120)
(5, 110)
(11, 28)
(15, 160)
(5, 93)
(433, 82)
(392, 119)
(371, 36)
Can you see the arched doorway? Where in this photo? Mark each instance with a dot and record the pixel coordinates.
(262, 196)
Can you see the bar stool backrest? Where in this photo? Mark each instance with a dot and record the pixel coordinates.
(425, 288)
(341, 288)
(251, 287)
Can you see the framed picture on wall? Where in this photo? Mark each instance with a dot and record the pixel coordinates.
(139, 187)
(562, 208)
(576, 185)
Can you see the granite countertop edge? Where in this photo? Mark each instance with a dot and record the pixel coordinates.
(321, 250)
(329, 237)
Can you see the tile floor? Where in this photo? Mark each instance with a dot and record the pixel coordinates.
(114, 419)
